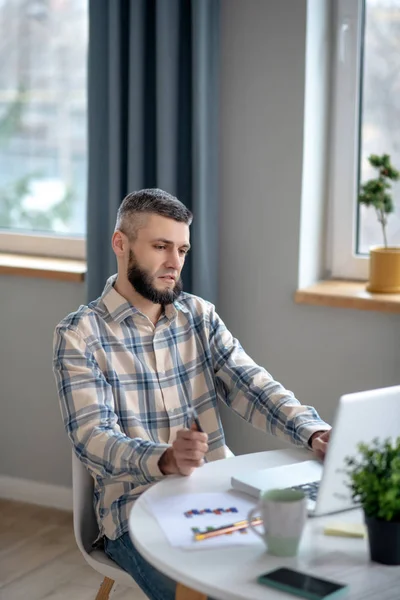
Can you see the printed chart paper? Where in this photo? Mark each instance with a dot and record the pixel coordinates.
(181, 516)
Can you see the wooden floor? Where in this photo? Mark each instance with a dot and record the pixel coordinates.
(39, 558)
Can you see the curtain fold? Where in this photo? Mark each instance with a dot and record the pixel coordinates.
(153, 107)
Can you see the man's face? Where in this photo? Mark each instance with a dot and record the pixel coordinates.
(156, 259)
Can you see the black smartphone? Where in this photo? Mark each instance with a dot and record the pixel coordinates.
(301, 584)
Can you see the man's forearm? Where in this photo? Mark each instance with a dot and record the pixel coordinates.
(132, 460)
(255, 395)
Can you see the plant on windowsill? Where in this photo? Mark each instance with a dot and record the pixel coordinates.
(384, 266)
(375, 484)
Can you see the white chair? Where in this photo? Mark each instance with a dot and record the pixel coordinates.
(86, 531)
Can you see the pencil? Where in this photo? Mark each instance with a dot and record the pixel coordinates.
(192, 412)
(204, 535)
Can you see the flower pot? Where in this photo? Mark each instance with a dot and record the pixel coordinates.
(384, 540)
(384, 270)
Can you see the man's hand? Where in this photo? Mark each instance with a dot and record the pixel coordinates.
(319, 443)
(186, 454)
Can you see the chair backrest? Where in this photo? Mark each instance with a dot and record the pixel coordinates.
(85, 524)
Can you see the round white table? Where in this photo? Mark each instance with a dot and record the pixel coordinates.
(230, 573)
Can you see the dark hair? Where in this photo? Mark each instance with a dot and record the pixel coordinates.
(149, 201)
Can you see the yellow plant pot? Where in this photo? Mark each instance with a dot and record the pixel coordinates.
(384, 270)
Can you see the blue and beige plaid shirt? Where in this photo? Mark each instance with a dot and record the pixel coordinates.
(124, 386)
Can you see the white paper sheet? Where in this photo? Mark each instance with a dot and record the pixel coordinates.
(176, 518)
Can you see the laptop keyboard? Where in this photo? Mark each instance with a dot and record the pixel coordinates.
(310, 489)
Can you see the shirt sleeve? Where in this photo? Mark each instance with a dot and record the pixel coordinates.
(87, 407)
(253, 393)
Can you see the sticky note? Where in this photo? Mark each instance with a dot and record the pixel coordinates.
(356, 530)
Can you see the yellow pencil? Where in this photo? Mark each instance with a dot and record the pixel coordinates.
(226, 529)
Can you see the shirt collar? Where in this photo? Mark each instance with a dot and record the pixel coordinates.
(119, 308)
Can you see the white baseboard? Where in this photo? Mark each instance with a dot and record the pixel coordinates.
(33, 492)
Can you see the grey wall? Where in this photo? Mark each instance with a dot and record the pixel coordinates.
(33, 443)
(319, 353)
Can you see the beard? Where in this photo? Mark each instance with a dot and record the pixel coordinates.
(142, 281)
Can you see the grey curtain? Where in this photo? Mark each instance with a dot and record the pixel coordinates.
(153, 122)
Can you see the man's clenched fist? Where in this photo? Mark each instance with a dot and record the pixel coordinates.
(186, 453)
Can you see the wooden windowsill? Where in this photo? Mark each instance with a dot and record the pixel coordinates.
(62, 269)
(347, 294)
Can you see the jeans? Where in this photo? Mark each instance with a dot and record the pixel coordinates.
(154, 584)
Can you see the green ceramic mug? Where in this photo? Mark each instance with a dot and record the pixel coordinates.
(284, 514)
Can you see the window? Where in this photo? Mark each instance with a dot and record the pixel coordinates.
(43, 72)
(366, 119)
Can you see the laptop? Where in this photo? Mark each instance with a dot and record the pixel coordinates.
(360, 417)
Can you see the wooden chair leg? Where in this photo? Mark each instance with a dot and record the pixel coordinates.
(185, 593)
(105, 589)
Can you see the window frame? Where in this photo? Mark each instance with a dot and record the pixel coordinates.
(345, 141)
(54, 246)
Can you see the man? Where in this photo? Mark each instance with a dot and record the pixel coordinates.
(129, 365)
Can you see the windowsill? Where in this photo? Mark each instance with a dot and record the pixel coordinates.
(347, 294)
(43, 267)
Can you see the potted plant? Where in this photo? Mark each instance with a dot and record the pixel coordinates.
(375, 484)
(384, 269)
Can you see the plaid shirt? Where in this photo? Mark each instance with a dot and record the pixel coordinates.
(124, 386)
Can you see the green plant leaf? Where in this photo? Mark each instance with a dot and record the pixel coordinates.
(375, 478)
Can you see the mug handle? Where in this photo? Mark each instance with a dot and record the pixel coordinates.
(250, 517)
